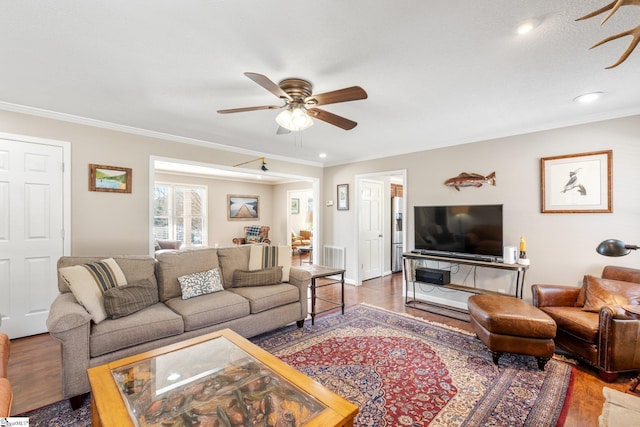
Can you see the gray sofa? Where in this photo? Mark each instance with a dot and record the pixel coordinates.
(249, 311)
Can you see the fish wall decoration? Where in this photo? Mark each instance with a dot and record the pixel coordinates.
(465, 179)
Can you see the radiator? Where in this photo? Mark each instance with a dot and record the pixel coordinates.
(334, 256)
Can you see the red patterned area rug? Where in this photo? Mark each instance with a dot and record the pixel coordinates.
(404, 371)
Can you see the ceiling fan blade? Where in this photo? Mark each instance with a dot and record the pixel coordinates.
(282, 131)
(243, 109)
(352, 93)
(331, 118)
(266, 83)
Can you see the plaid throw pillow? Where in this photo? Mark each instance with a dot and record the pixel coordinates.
(124, 300)
(267, 276)
(253, 230)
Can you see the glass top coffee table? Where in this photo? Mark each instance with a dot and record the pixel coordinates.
(218, 379)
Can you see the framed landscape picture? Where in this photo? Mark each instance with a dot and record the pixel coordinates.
(243, 208)
(112, 179)
(576, 183)
(295, 206)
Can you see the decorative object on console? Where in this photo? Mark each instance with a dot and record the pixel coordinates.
(112, 179)
(577, 183)
(465, 179)
(522, 258)
(299, 103)
(243, 208)
(634, 32)
(343, 197)
(613, 247)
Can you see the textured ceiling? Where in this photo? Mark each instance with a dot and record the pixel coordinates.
(437, 73)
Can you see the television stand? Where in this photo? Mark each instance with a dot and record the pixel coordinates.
(409, 264)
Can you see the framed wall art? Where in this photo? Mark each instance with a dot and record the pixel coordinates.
(295, 206)
(112, 179)
(343, 197)
(577, 183)
(243, 208)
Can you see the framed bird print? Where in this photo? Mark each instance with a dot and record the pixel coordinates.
(577, 183)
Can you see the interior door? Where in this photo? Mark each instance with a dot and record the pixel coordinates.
(31, 233)
(370, 228)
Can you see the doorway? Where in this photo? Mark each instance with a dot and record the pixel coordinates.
(373, 243)
(34, 229)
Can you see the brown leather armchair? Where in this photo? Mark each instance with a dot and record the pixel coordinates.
(264, 234)
(6, 395)
(591, 323)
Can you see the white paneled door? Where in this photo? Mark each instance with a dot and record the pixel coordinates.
(370, 229)
(31, 233)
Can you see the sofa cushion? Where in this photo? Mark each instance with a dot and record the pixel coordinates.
(88, 283)
(149, 324)
(211, 309)
(127, 299)
(232, 259)
(201, 283)
(266, 276)
(600, 292)
(171, 265)
(575, 321)
(264, 256)
(262, 298)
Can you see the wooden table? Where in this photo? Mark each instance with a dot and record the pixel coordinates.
(323, 272)
(110, 406)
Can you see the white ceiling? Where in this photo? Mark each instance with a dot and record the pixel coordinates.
(437, 73)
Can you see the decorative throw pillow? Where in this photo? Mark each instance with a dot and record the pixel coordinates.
(253, 238)
(265, 256)
(253, 230)
(156, 245)
(600, 292)
(127, 299)
(88, 283)
(266, 276)
(202, 283)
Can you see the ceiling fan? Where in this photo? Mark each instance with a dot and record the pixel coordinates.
(300, 103)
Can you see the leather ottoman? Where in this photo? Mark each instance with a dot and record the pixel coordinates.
(510, 325)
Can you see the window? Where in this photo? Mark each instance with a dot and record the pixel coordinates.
(180, 213)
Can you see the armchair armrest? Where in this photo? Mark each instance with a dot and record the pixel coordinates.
(617, 351)
(554, 295)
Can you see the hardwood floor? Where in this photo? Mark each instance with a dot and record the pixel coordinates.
(34, 366)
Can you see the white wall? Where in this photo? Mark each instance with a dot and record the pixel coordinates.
(561, 246)
(107, 224)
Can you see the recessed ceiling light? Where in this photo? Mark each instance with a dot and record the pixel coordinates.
(588, 97)
(323, 155)
(527, 26)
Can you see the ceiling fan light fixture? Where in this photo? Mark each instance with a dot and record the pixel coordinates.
(294, 119)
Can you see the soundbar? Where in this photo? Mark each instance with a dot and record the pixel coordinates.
(445, 254)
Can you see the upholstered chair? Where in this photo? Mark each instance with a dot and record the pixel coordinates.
(261, 237)
(6, 395)
(592, 324)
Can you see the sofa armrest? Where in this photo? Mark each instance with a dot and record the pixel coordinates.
(554, 295)
(66, 314)
(70, 323)
(301, 278)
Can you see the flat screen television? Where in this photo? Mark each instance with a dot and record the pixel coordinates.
(462, 229)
